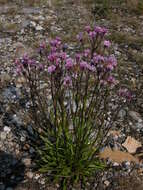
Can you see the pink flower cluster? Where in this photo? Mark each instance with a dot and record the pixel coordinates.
(63, 67)
(26, 63)
(67, 81)
(107, 43)
(51, 69)
(56, 42)
(69, 64)
(97, 31)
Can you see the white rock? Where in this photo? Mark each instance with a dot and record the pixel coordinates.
(22, 139)
(115, 164)
(29, 175)
(107, 183)
(135, 116)
(7, 129)
(33, 23)
(38, 28)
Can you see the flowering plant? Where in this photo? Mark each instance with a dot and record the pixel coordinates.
(72, 103)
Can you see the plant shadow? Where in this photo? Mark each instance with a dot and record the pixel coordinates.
(11, 170)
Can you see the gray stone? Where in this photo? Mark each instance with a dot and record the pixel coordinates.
(30, 130)
(32, 150)
(135, 116)
(22, 139)
(122, 114)
(25, 23)
(139, 125)
(2, 136)
(27, 161)
(29, 10)
(17, 120)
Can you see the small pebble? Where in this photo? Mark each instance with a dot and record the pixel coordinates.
(2, 136)
(29, 175)
(27, 161)
(107, 183)
(7, 129)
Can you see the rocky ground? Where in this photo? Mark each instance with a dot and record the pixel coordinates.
(22, 27)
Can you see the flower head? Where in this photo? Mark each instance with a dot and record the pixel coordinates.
(111, 80)
(67, 81)
(99, 58)
(56, 42)
(87, 29)
(51, 69)
(107, 43)
(69, 63)
(86, 52)
(63, 55)
(92, 35)
(83, 65)
(80, 36)
(42, 47)
(100, 30)
(78, 57)
(52, 56)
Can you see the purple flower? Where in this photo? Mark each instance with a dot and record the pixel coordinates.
(52, 56)
(80, 36)
(69, 63)
(63, 55)
(99, 58)
(18, 70)
(58, 61)
(67, 81)
(41, 67)
(55, 42)
(111, 80)
(103, 82)
(83, 65)
(86, 52)
(109, 67)
(111, 63)
(43, 45)
(51, 69)
(17, 62)
(92, 35)
(58, 38)
(65, 46)
(25, 60)
(112, 60)
(31, 62)
(91, 68)
(100, 30)
(87, 29)
(53, 49)
(107, 43)
(78, 57)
